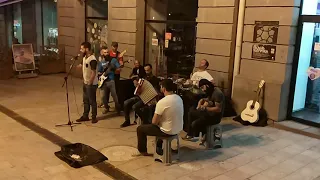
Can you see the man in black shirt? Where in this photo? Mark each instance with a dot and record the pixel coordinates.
(208, 112)
(138, 70)
(151, 78)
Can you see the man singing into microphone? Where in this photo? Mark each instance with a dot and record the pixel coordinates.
(90, 81)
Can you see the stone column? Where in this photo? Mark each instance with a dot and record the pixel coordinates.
(71, 26)
(123, 28)
(277, 73)
(215, 37)
(3, 37)
(6, 70)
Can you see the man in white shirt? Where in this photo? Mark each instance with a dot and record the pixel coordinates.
(202, 73)
(90, 82)
(167, 120)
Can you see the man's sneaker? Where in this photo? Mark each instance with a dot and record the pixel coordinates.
(82, 119)
(188, 138)
(125, 124)
(94, 120)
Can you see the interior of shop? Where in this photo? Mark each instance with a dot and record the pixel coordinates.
(170, 36)
(306, 103)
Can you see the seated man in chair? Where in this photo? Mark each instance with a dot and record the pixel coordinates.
(208, 112)
(167, 120)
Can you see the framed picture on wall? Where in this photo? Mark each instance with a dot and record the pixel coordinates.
(23, 57)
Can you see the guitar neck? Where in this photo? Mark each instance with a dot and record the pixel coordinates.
(257, 96)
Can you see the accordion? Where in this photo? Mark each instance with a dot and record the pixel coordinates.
(146, 91)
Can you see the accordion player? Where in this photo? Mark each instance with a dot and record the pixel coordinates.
(146, 92)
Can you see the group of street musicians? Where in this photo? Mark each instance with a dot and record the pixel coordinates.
(160, 110)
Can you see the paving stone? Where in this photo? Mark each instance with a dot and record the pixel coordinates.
(249, 152)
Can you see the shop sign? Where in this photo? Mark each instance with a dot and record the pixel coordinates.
(155, 42)
(266, 32)
(264, 51)
(168, 36)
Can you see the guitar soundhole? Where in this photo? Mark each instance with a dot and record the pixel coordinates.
(251, 107)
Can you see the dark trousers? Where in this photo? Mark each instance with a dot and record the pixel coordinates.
(198, 121)
(148, 130)
(110, 87)
(90, 99)
(134, 103)
(116, 77)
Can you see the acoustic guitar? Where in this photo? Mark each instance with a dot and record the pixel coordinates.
(251, 112)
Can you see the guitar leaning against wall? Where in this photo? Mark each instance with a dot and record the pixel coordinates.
(251, 112)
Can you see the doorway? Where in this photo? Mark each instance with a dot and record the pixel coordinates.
(305, 88)
(170, 36)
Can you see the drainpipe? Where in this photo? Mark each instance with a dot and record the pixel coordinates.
(240, 26)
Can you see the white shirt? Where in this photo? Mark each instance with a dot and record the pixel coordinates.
(170, 108)
(86, 69)
(197, 76)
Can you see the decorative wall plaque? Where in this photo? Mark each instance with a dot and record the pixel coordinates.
(266, 32)
(264, 51)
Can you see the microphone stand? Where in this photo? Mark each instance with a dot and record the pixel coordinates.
(70, 123)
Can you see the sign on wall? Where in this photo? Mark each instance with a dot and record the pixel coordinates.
(266, 32)
(264, 51)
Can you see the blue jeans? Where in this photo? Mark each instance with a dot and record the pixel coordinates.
(90, 99)
(110, 87)
(134, 103)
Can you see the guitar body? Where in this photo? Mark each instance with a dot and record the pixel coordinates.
(251, 112)
(101, 80)
(104, 76)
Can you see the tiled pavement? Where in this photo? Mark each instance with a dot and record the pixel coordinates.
(248, 153)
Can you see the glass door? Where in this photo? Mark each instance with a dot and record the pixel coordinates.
(304, 103)
(170, 36)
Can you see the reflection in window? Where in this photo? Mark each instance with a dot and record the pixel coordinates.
(97, 34)
(17, 24)
(311, 7)
(97, 8)
(50, 30)
(180, 10)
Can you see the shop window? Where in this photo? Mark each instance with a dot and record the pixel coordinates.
(50, 30)
(170, 36)
(311, 7)
(17, 23)
(97, 24)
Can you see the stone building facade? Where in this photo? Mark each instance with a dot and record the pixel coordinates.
(215, 41)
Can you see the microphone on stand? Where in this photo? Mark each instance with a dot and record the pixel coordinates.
(75, 57)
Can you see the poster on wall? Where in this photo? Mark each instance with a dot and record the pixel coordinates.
(264, 51)
(266, 32)
(23, 57)
(155, 42)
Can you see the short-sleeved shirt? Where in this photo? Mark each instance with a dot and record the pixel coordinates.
(197, 76)
(119, 59)
(170, 108)
(114, 62)
(89, 64)
(217, 96)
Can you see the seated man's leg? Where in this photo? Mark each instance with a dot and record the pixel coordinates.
(192, 116)
(127, 109)
(199, 125)
(147, 130)
(137, 107)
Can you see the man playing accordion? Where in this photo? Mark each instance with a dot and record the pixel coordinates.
(145, 94)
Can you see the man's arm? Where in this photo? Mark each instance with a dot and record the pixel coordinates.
(158, 113)
(216, 109)
(93, 75)
(156, 119)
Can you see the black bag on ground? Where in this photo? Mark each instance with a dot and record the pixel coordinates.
(262, 122)
(79, 155)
